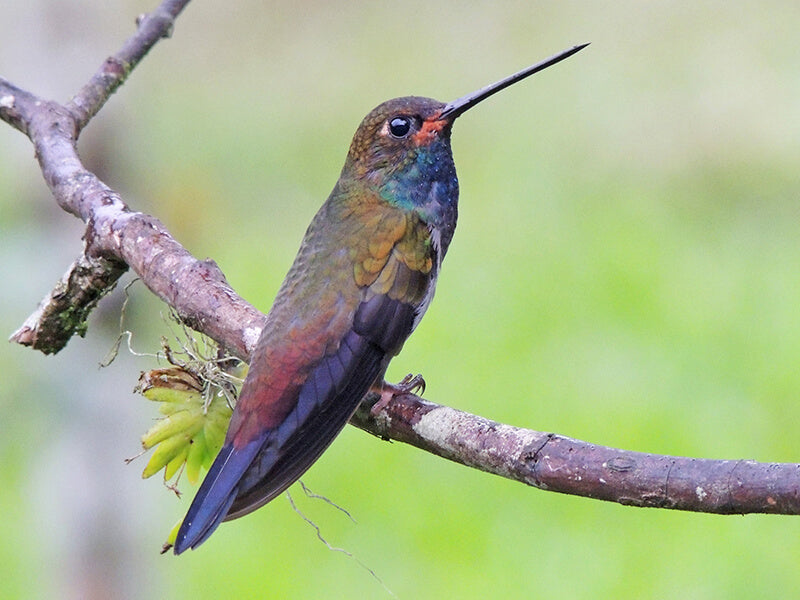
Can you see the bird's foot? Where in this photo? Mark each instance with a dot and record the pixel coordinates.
(410, 384)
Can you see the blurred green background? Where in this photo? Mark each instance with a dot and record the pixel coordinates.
(626, 271)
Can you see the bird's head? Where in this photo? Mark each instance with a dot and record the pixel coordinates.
(401, 142)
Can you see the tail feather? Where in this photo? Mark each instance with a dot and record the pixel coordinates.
(241, 480)
(216, 494)
(331, 395)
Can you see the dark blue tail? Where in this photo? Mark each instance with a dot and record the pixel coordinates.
(241, 480)
(216, 494)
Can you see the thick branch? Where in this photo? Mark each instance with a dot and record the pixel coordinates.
(560, 464)
(116, 237)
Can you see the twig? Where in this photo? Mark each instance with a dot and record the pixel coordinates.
(152, 27)
(330, 546)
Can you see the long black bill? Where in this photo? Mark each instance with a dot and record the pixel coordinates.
(457, 107)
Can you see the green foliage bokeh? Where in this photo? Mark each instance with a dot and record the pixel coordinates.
(625, 271)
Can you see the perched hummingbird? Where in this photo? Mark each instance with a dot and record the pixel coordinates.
(364, 276)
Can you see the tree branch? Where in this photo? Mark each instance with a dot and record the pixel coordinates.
(151, 28)
(117, 238)
(556, 463)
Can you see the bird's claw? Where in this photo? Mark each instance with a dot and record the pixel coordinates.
(410, 384)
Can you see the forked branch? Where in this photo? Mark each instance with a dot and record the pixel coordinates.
(117, 238)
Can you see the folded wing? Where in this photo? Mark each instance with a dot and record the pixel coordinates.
(304, 394)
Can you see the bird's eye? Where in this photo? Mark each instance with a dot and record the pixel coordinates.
(400, 126)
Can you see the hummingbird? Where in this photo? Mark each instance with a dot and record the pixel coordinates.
(363, 278)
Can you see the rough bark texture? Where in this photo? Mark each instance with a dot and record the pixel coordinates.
(117, 238)
(560, 464)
